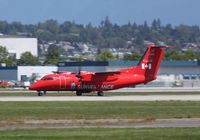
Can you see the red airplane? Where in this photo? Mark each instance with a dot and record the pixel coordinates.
(85, 82)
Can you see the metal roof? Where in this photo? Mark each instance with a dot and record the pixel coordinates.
(8, 68)
(84, 63)
(128, 63)
(180, 63)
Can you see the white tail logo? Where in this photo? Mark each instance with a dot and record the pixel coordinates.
(146, 66)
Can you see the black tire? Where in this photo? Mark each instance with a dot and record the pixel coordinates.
(40, 93)
(100, 93)
(78, 93)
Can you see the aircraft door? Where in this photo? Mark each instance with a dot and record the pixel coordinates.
(63, 82)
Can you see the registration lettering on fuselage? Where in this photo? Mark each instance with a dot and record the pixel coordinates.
(94, 87)
(88, 87)
(107, 87)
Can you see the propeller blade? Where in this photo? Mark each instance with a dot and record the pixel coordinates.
(78, 75)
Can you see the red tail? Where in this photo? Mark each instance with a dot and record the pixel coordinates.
(150, 62)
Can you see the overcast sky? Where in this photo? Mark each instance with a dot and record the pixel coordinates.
(84, 11)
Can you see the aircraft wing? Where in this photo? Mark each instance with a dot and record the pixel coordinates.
(108, 72)
(101, 76)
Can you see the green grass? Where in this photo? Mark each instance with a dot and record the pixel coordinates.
(17, 111)
(105, 134)
(98, 110)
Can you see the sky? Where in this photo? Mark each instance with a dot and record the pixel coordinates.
(121, 12)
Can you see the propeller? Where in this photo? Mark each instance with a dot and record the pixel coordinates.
(78, 74)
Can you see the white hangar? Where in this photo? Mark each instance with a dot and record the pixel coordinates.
(18, 45)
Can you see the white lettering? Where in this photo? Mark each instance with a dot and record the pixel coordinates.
(107, 87)
(93, 87)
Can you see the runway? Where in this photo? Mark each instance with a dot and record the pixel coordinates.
(106, 98)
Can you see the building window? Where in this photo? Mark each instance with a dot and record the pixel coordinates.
(186, 77)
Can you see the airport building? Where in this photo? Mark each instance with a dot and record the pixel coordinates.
(18, 45)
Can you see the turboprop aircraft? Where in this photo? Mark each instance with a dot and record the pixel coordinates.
(85, 82)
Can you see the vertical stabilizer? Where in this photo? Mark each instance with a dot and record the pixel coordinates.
(150, 62)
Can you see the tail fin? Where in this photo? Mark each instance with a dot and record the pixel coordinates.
(150, 62)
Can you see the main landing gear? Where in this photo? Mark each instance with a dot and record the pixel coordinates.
(78, 93)
(41, 93)
(100, 93)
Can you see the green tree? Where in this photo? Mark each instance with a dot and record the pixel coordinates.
(117, 42)
(3, 27)
(106, 55)
(190, 55)
(173, 55)
(53, 55)
(5, 58)
(156, 24)
(133, 56)
(44, 35)
(28, 59)
(50, 25)
(185, 56)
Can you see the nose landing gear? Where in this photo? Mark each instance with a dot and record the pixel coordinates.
(41, 93)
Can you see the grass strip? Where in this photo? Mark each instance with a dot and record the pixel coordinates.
(17, 111)
(103, 133)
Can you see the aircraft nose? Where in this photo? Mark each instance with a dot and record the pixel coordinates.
(33, 87)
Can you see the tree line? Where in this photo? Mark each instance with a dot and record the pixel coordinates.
(106, 35)
(170, 55)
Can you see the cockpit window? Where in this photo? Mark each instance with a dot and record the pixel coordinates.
(47, 79)
(43, 78)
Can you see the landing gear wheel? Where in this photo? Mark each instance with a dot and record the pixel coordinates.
(100, 93)
(40, 93)
(78, 93)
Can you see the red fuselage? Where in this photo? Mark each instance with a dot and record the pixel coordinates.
(89, 81)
